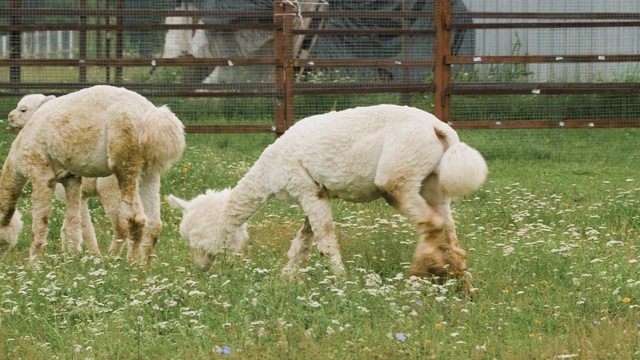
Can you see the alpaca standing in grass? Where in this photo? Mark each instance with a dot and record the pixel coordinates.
(106, 189)
(405, 155)
(94, 132)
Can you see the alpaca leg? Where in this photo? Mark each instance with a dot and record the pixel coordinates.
(131, 216)
(150, 196)
(11, 186)
(317, 206)
(88, 231)
(431, 256)
(300, 248)
(431, 193)
(125, 160)
(405, 197)
(119, 231)
(72, 227)
(59, 192)
(109, 193)
(441, 257)
(41, 197)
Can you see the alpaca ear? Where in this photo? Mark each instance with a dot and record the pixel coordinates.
(177, 203)
(50, 97)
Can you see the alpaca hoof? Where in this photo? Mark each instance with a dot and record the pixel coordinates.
(289, 272)
(147, 255)
(4, 249)
(337, 269)
(443, 263)
(466, 287)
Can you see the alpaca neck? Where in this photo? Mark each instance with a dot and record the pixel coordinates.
(249, 195)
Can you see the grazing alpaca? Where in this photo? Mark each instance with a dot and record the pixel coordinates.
(94, 132)
(405, 155)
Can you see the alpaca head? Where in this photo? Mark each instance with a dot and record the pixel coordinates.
(207, 227)
(9, 234)
(26, 107)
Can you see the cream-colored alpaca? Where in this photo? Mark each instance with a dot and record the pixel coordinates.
(94, 132)
(405, 155)
(106, 189)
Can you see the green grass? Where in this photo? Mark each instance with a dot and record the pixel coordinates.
(552, 239)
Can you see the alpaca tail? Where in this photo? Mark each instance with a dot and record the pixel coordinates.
(161, 138)
(462, 170)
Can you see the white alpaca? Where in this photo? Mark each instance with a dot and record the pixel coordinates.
(94, 132)
(106, 189)
(405, 155)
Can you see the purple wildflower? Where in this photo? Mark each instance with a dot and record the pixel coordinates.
(596, 322)
(401, 336)
(225, 351)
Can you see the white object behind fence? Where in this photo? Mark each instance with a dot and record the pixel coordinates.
(43, 45)
(601, 41)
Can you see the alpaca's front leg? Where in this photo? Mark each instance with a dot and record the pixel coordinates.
(299, 251)
(318, 210)
(72, 227)
(88, 231)
(41, 197)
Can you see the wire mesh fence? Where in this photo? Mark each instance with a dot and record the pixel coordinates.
(258, 65)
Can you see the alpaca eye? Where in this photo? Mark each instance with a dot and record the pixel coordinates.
(23, 110)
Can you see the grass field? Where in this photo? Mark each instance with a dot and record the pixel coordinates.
(552, 237)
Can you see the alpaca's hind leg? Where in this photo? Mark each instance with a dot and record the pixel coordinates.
(131, 216)
(317, 206)
(405, 197)
(71, 232)
(433, 249)
(125, 160)
(41, 197)
(150, 196)
(432, 253)
(299, 251)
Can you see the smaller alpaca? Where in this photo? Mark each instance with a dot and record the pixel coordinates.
(405, 155)
(91, 133)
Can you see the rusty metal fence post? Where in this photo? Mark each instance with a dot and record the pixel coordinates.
(442, 50)
(285, 64)
(82, 44)
(278, 54)
(119, 40)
